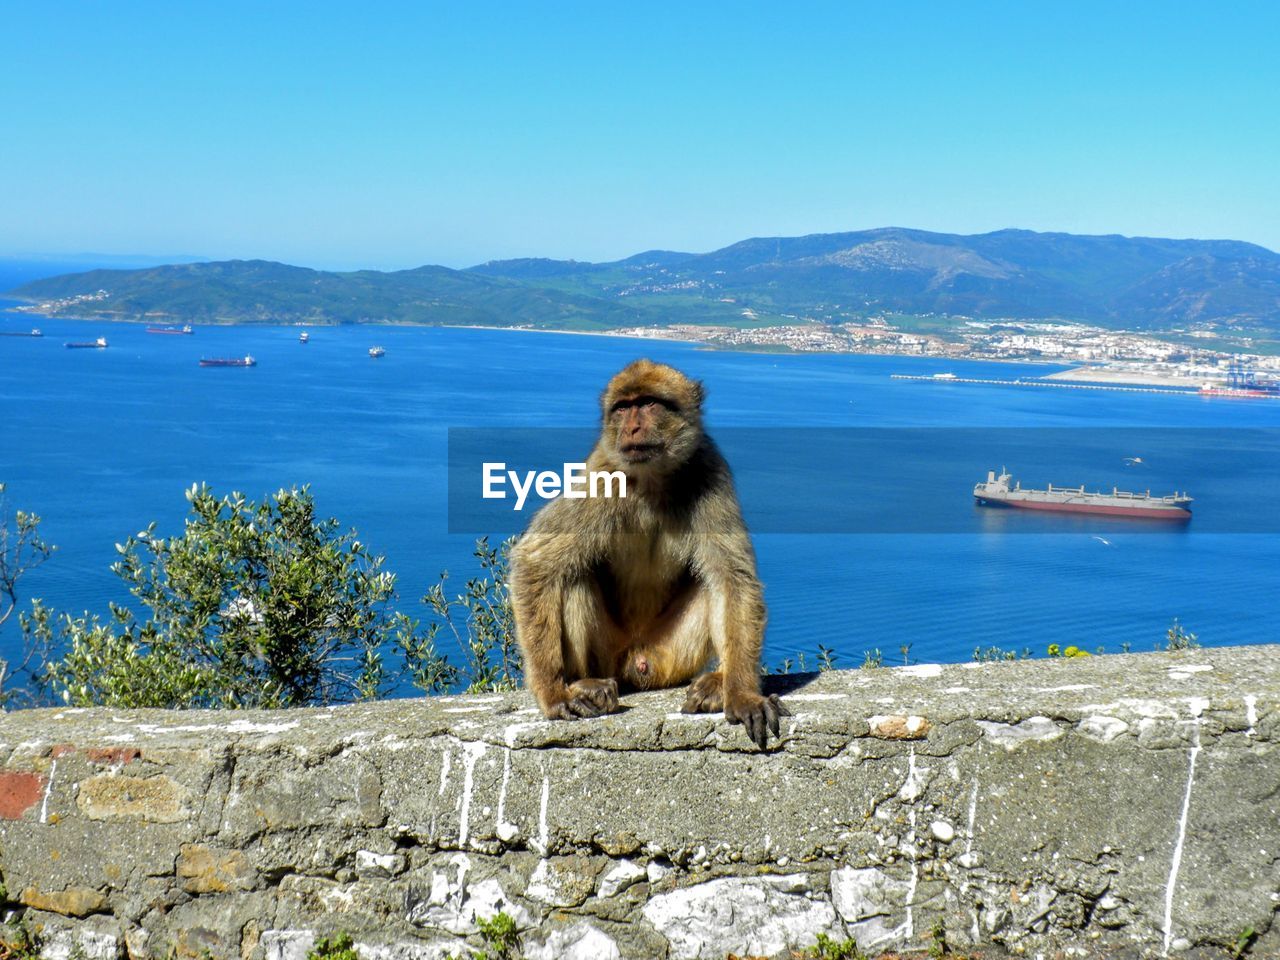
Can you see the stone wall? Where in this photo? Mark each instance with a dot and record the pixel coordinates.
(1106, 807)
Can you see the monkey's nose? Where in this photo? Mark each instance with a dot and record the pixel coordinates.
(642, 666)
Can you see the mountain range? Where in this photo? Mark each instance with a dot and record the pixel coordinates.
(1136, 283)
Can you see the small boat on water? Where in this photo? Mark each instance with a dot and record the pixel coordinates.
(377, 352)
(99, 344)
(245, 361)
(303, 337)
(185, 329)
(35, 332)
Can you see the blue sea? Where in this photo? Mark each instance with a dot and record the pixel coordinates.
(102, 442)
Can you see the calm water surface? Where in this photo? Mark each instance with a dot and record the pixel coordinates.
(102, 442)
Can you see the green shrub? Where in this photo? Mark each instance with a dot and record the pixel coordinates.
(481, 621)
(338, 947)
(1177, 638)
(21, 550)
(253, 605)
(500, 936)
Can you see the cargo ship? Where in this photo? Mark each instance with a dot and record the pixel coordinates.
(245, 361)
(99, 344)
(1242, 382)
(186, 329)
(34, 332)
(1001, 491)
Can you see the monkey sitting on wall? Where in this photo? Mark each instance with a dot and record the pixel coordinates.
(649, 587)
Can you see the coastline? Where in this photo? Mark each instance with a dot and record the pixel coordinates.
(700, 344)
(1078, 373)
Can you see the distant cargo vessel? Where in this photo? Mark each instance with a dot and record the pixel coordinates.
(245, 361)
(998, 492)
(34, 332)
(1242, 382)
(186, 329)
(99, 344)
(376, 352)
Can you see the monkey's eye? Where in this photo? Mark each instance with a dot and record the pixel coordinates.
(645, 401)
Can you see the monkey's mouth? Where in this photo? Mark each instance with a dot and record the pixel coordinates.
(641, 452)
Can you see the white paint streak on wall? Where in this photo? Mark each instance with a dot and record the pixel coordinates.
(909, 927)
(472, 751)
(1197, 705)
(973, 816)
(506, 831)
(48, 789)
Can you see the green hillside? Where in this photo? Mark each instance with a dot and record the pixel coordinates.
(1114, 281)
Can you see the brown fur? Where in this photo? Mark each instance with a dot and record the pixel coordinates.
(649, 588)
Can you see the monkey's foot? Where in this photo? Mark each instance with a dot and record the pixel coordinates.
(586, 698)
(706, 694)
(759, 714)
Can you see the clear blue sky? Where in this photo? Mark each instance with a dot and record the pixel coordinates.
(389, 135)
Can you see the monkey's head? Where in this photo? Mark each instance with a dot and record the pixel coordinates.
(652, 416)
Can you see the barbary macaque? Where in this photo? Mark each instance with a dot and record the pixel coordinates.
(650, 587)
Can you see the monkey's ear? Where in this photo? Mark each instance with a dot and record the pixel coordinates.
(699, 392)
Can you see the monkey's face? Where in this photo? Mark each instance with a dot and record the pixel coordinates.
(652, 417)
(651, 431)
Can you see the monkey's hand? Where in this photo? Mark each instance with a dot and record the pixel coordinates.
(585, 698)
(759, 714)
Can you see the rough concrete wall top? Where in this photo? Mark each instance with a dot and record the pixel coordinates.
(1117, 804)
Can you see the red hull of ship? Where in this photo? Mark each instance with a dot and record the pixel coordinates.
(1174, 513)
(1242, 392)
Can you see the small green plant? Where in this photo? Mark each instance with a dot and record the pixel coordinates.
(17, 941)
(1244, 940)
(938, 949)
(872, 659)
(1073, 651)
(501, 939)
(828, 949)
(905, 650)
(1178, 638)
(337, 947)
(826, 658)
